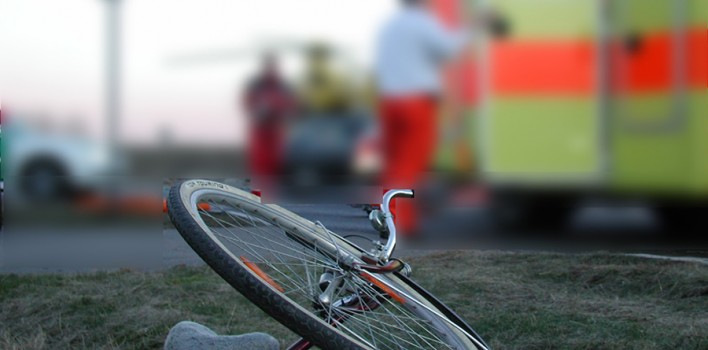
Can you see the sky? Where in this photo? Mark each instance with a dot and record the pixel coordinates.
(52, 64)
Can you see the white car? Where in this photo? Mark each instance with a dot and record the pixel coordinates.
(43, 165)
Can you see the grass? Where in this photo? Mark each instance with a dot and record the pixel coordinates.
(514, 300)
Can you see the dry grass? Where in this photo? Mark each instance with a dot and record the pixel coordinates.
(515, 300)
(126, 310)
(547, 301)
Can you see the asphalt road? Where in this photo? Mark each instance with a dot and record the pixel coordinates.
(630, 229)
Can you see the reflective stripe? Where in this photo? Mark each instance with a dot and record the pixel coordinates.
(257, 270)
(548, 67)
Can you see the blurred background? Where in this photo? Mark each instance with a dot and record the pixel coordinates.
(568, 118)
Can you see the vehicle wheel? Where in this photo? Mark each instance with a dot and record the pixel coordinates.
(682, 220)
(517, 213)
(301, 274)
(44, 180)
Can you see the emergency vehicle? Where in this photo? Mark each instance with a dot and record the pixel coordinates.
(601, 98)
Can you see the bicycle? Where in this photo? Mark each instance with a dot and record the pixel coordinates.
(329, 291)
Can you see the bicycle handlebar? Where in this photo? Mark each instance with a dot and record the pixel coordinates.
(385, 208)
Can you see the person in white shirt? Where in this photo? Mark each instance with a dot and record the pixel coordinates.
(412, 48)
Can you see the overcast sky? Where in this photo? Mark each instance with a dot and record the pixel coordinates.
(53, 57)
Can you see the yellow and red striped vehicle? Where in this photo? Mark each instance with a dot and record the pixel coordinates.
(594, 96)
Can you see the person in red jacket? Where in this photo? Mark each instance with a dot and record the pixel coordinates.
(269, 103)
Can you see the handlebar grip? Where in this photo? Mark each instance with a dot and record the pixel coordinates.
(406, 193)
(391, 194)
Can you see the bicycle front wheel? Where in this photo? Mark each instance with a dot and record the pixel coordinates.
(301, 274)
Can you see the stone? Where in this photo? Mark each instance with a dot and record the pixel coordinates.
(188, 335)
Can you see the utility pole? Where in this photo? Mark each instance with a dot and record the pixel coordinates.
(113, 55)
(113, 77)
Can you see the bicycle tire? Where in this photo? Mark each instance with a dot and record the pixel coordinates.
(185, 214)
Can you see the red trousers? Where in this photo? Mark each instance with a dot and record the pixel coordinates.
(409, 131)
(265, 151)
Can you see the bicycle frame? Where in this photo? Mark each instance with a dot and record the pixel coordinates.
(384, 254)
(387, 264)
